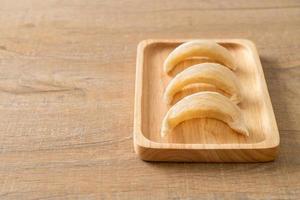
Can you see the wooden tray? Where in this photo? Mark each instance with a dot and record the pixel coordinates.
(202, 140)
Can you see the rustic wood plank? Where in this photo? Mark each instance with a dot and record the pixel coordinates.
(67, 73)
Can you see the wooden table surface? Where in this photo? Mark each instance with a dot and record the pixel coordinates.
(67, 72)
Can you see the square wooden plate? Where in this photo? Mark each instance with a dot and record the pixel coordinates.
(202, 140)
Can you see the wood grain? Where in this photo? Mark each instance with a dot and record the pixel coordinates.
(67, 71)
